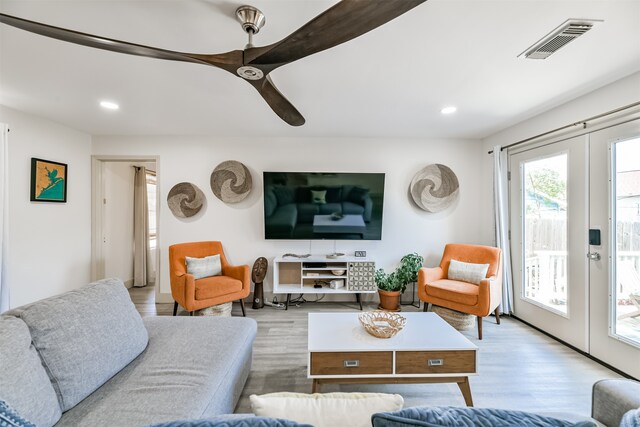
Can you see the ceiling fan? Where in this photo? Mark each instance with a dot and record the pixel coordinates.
(342, 22)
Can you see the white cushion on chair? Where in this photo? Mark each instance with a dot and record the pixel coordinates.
(467, 272)
(204, 267)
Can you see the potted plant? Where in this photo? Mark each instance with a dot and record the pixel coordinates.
(407, 271)
(392, 285)
(389, 290)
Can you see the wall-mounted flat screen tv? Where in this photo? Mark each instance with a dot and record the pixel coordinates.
(323, 205)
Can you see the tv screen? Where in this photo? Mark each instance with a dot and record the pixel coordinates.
(322, 205)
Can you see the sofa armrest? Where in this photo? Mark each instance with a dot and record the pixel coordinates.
(368, 209)
(183, 289)
(426, 275)
(612, 398)
(239, 272)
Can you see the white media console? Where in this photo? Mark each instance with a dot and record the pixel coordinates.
(292, 275)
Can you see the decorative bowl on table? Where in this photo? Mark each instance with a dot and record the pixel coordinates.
(338, 272)
(382, 324)
(336, 216)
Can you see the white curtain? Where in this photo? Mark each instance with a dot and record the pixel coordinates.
(142, 269)
(501, 209)
(4, 216)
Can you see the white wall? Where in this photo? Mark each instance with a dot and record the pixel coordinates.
(117, 215)
(49, 243)
(615, 95)
(240, 227)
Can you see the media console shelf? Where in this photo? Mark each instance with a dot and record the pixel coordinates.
(299, 276)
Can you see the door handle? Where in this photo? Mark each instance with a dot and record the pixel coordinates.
(594, 256)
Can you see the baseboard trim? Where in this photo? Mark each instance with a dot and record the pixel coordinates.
(587, 355)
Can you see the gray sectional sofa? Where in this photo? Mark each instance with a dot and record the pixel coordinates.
(285, 207)
(87, 358)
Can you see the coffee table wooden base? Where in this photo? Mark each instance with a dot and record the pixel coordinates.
(463, 383)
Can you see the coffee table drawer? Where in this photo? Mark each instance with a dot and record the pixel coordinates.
(352, 363)
(435, 362)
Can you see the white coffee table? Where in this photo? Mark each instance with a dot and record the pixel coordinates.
(427, 350)
(348, 224)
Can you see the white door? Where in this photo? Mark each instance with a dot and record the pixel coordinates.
(549, 229)
(615, 277)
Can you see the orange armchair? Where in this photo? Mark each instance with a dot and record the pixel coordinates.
(434, 287)
(191, 294)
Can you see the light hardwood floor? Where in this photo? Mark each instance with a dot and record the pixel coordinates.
(519, 368)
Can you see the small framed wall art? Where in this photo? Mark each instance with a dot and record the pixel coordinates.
(48, 181)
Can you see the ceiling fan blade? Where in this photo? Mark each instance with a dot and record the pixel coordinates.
(229, 61)
(278, 103)
(338, 24)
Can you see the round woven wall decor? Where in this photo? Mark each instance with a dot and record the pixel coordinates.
(231, 181)
(185, 200)
(434, 188)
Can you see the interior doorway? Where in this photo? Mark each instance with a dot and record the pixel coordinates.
(125, 222)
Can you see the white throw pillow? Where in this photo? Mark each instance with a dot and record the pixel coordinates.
(325, 410)
(467, 272)
(204, 267)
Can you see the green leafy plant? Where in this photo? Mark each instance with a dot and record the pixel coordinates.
(387, 282)
(407, 272)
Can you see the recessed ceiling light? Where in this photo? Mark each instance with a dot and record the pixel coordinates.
(449, 110)
(109, 105)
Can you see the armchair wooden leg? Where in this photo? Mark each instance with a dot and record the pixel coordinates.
(191, 313)
(426, 307)
(497, 313)
(479, 327)
(175, 308)
(242, 307)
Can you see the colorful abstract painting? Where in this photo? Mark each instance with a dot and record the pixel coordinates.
(48, 181)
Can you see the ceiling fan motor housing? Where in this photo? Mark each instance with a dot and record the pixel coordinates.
(250, 18)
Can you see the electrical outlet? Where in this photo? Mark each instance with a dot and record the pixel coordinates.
(360, 254)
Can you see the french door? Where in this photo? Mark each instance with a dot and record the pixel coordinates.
(575, 238)
(549, 193)
(615, 277)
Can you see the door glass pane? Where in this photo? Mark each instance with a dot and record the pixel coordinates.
(626, 186)
(545, 232)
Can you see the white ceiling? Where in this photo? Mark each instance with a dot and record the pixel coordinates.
(391, 82)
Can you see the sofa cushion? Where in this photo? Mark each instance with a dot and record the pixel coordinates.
(631, 418)
(283, 219)
(270, 202)
(358, 194)
(10, 418)
(453, 290)
(306, 212)
(85, 337)
(329, 208)
(444, 416)
(349, 208)
(285, 195)
(319, 196)
(212, 287)
(327, 409)
(234, 420)
(334, 194)
(193, 367)
(24, 383)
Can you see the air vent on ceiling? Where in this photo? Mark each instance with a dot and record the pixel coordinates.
(561, 36)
